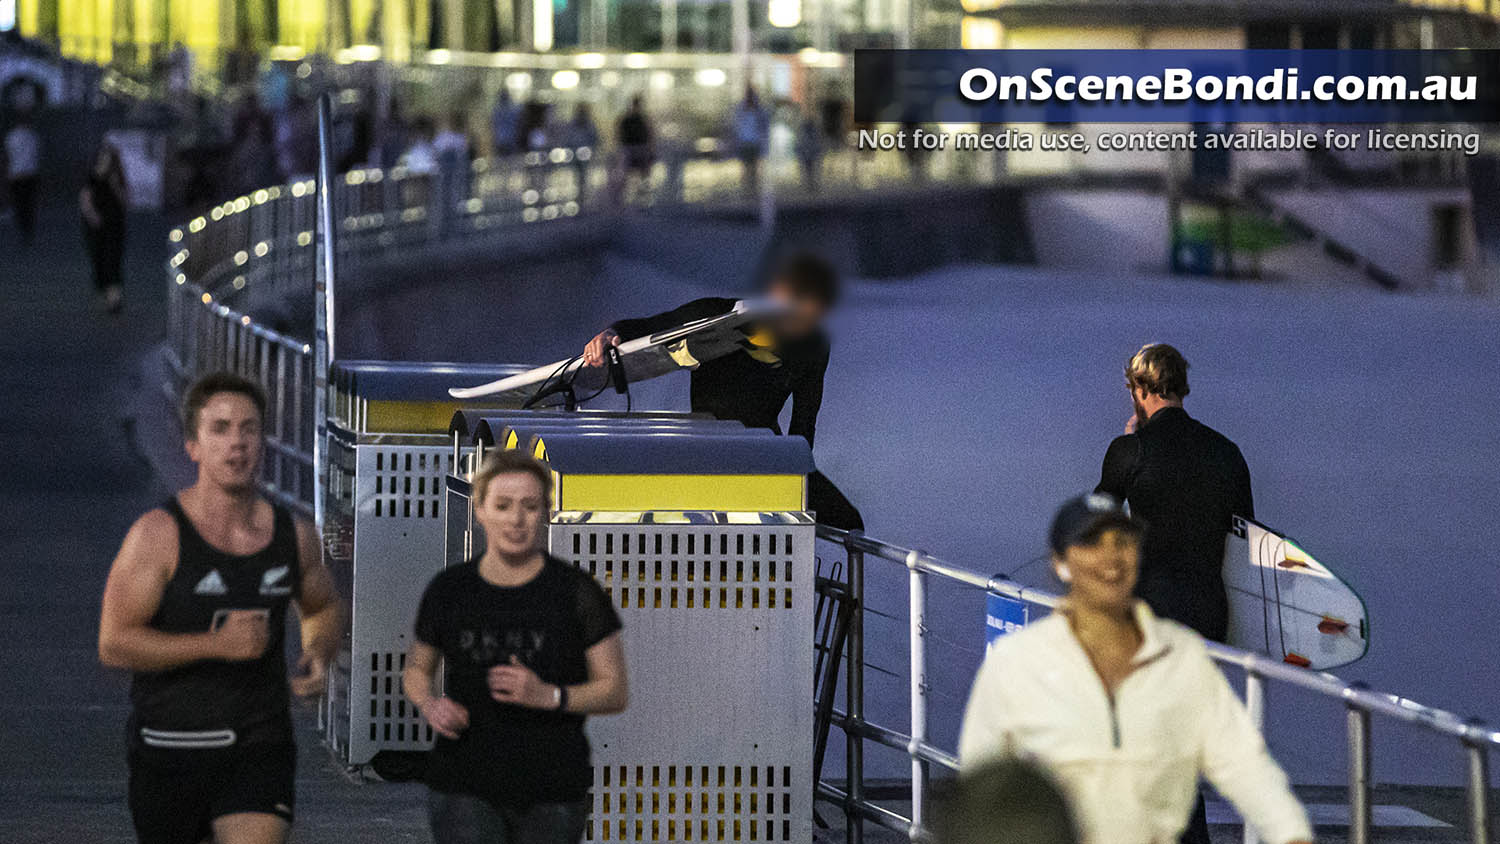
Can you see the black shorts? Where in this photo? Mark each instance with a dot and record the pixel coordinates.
(175, 794)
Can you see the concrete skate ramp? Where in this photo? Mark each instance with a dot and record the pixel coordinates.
(559, 283)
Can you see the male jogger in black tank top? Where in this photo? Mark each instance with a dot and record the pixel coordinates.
(196, 607)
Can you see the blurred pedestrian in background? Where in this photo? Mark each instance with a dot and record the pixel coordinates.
(833, 111)
(452, 148)
(637, 149)
(452, 142)
(810, 151)
(1124, 708)
(916, 156)
(1005, 802)
(102, 203)
(505, 122)
(750, 130)
(533, 131)
(394, 134)
(422, 169)
(297, 140)
(420, 158)
(23, 169)
(356, 137)
(252, 156)
(581, 137)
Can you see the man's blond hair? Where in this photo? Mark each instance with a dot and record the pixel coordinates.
(505, 461)
(1159, 370)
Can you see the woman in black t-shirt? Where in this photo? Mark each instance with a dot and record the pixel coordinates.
(530, 645)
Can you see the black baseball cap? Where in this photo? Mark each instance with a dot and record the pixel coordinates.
(1079, 520)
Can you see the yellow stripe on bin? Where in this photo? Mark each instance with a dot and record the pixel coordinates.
(635, 493)
(410, 417)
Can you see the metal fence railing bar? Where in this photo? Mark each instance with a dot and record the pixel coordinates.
(1474, 738)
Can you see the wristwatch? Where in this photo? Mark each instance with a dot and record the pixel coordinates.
(559, 697)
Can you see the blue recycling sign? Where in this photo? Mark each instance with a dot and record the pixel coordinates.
(1003, 615)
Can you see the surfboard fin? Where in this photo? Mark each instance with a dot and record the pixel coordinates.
(1296, 659)
(681, 356)
(1292, 564)
(1331, 625)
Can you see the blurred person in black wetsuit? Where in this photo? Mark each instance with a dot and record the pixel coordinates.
(1186, 482)
(752, 387)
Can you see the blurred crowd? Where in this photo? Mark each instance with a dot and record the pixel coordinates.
(183, 148)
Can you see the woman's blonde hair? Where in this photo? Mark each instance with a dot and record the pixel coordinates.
(1159, 370)
(505, 461)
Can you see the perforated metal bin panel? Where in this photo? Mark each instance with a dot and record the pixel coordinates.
(394, 498)
(717, 742)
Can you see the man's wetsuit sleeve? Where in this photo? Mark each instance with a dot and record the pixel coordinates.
(1119, 466)
(807, 398)
(631, 329)
(1244, 501)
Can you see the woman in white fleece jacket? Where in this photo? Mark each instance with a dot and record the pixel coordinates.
(1125, 709)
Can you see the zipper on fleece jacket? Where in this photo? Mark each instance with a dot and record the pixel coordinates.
(1114, 722)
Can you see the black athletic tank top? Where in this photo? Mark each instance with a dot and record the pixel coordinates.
(204, 703)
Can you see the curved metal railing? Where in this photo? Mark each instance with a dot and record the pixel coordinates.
(1473, 737)
(234, 269)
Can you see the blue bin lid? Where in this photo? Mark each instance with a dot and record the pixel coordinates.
(491, 430)
(466, 420)
(384, 380)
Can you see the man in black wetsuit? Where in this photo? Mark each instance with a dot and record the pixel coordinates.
(753, 386)
(1186, 482)
(196, 606)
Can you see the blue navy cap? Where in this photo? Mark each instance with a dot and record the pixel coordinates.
(1079, 520)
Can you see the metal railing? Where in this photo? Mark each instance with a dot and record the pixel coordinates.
(234, 269)
(1474, 739)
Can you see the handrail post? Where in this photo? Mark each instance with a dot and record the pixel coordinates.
(1360, 759)
(1478, 791)
(1255, 704)
(325, 238)
(917, 580)
(854, 698)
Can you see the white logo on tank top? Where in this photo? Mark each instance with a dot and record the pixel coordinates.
(211, 584)
(273, 582)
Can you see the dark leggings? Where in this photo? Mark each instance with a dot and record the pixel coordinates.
(106, 248)
(1197, 828)
(466, 819)
(23, 198)
(830, 505)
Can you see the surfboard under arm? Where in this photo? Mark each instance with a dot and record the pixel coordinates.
(1288, 605)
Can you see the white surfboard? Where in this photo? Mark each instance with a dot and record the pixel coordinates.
(683, 347)
(1286, 604)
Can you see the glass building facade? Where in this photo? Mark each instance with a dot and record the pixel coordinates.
(139, 31)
